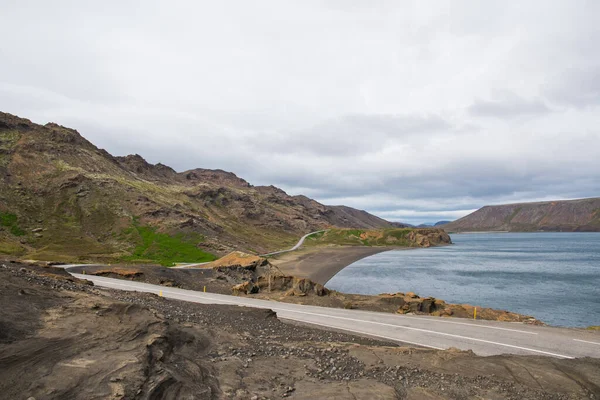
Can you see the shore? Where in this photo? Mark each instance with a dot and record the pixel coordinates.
(320, 264)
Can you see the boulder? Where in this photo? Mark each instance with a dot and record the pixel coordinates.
(287, 283)
(238, 259)
(245, 288)
(396, 299)
(416, 304)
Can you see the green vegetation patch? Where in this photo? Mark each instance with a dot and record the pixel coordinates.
(593, 328)
(362, 237)
(165, 249)
(10, 221)
(11, 248)
(315, 236)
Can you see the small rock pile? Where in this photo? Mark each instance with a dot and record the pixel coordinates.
(412, 303)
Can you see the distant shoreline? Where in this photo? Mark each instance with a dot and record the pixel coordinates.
(472, 232)
(459, 233)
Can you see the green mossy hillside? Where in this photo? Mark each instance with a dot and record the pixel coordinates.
(362, 237)
(10, 221)
(165, 249)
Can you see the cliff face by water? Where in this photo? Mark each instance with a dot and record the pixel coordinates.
(62, 198)
(553, 216)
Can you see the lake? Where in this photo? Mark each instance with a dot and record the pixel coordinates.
(554, 277)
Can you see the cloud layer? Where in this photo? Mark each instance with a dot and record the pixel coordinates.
(414, 111)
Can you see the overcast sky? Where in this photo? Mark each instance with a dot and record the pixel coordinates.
(416, 111)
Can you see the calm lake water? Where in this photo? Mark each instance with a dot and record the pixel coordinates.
(554, 277)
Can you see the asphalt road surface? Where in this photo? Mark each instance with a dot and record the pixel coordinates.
(483, 337)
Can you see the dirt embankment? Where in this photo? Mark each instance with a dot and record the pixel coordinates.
(63, 339)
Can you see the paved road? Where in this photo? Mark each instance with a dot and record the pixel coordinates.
(296, 246)
(483, 337)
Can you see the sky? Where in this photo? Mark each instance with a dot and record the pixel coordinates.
(415, 111)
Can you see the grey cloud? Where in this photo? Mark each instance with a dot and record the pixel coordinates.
(508, 107)
(351, 135)
(578, 87)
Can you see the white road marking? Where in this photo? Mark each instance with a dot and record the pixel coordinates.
(464, 323)
(354, 320)
(365, 333)
(586, 341)
(437, 333)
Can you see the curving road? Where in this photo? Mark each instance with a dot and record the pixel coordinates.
(296, 246)
(483, 337)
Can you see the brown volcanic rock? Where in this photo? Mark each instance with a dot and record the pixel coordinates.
(427, 237)
(238, 259)
(136, 163)
(561, 215)
(214, 176)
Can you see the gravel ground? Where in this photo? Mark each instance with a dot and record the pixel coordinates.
(228, 352)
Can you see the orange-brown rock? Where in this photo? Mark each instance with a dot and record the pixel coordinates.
(412, 303)
(238, 259)
(245, 288)
(466, 311)
(429, 237)
(287, 283)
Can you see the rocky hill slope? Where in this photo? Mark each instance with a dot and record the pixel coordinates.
(61, 197)
(559, 216)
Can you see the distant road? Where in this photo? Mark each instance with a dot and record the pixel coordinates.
(296, 246)
(483, 337)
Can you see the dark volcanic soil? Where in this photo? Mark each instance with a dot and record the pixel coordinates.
(63, 339)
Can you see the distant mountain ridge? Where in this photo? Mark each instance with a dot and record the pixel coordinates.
(60, 194)
(582, 215)
(434, 224)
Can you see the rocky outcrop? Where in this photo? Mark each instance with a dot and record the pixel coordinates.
(253, 274)
(289, 285)
(425, 237)
(247, 287)
(238, 259)
(411, 303)
(292, 286)
(401, 237)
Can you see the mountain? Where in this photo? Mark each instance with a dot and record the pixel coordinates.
(557, 216)
(434, 224)
(61, 195)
